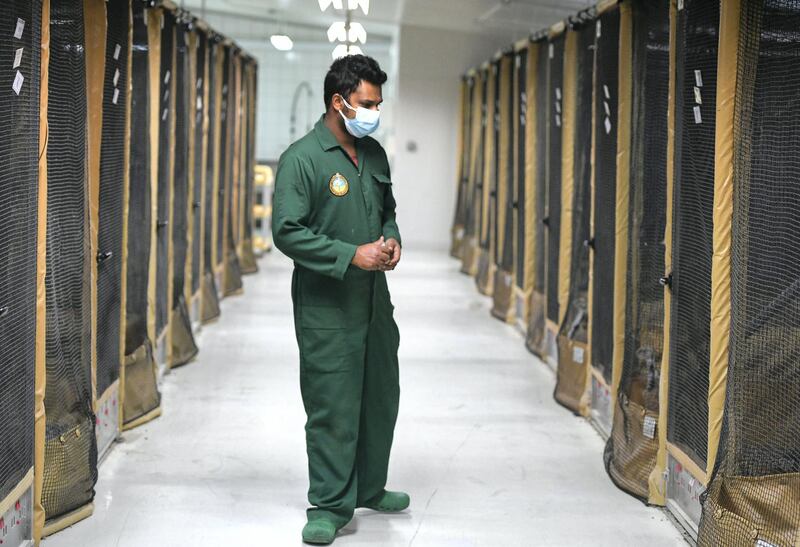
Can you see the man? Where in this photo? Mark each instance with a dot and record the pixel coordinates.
(334, 215)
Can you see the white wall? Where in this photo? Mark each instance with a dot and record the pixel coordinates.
(431, 63)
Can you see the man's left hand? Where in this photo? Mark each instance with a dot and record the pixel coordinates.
(394, 250)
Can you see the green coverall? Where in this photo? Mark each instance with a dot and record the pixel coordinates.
(343, 315)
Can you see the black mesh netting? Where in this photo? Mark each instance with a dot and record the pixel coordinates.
(70, 466)
(139, 212)
(199, 157)
(555, 102)
(232, 274)
(492, 231)
(519, 157)
(223, 164)
(505, 255)
(112, 194)
(754, 495)
(210, 298)
(462, 175)
(631, 450)
(576, 318)
(571, 377)
(165, 143)
(250, 161)
(693, 198)
(19, 145)
(605, 186)
(184, 347)
(180, 188)
(540, 174)
(475, 176)
(141, 391)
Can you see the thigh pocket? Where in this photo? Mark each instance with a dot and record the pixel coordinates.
(325, 342)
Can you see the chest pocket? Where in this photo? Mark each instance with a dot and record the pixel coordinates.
(382, 186)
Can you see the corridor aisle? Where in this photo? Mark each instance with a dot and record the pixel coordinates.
(488, 457)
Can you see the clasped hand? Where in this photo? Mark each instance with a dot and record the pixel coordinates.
(381, 255)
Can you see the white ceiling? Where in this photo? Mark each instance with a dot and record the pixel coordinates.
(515, 17)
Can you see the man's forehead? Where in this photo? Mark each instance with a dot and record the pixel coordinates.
(368, 91)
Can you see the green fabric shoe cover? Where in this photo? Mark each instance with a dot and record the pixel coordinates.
(319, 532)
(389, 502)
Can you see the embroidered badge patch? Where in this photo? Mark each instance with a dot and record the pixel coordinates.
(339, 185)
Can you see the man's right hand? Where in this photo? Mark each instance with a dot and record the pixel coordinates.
(372, 256)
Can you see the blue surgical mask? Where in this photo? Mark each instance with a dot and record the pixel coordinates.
(365, 122)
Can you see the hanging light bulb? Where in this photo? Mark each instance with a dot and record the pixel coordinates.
(325, 4)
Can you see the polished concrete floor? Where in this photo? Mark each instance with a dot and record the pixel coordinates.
(486, 454)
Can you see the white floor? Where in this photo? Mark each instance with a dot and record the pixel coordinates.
(487, 455)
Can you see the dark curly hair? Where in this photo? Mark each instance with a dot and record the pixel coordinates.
(346, 74)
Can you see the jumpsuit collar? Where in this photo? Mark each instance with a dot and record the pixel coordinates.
(328, 142)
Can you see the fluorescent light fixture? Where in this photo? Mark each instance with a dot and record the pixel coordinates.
(325, 4)
(355, 4)
(357, 33)
(343, 50)
(337, 32)
(281, 42)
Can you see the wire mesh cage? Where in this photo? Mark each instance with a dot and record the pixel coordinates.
(534, 338)
(603, 216)
(184, 348)
(523, 183)
(696, 48)
(462, 170)
(753, 496)
(488, 220)
(231, 274)
(474, 200)
(572, 378)
(503, 255)
(630, 454)
(200, 147)
(112, 224)
(210, 294)
(141, 398)
(70, 450)
(19, 220)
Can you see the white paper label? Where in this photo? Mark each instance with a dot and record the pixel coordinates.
(558, 93)
(200, 83)
(199, 103)
(167, 76)
(608, 126)
(18, 57)
(599, 30)
(578, 354)
(606, 92)
(607, 108)
(649, 427)
(550, 51)
(116, 77)
(518, 61)
(558, 107)
(763, 543)
(20, 28)
(164, 114)
(18, 81)
(698, 78)
(116, 96)
(697, 117)
(680, 4)
(698, 97)
(558, 120)
(117, 51)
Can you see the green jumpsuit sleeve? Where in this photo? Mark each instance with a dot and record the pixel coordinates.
(390, 229)
(290, 232)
